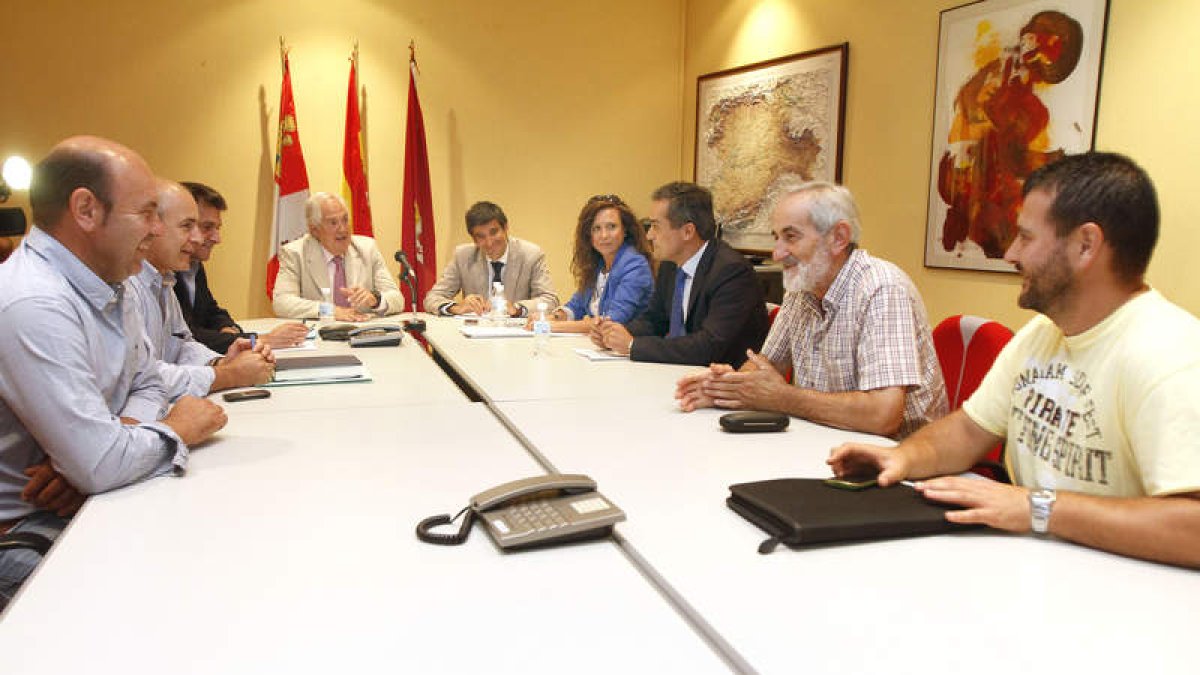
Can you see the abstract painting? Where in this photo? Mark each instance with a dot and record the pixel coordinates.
(1017, 87)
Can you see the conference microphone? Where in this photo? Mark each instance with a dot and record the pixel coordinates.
(405, 266)
(408, 276)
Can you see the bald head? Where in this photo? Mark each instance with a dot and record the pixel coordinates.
(172, 252)
(98, 198)
(79, 162)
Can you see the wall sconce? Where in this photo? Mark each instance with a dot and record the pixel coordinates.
(15, 176)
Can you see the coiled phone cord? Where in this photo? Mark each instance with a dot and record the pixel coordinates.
(425, 527)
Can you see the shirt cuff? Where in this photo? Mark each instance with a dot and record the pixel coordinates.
(175, 446)
(444, 308)
(202, 380)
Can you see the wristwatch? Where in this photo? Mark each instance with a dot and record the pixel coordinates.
(1041, 503)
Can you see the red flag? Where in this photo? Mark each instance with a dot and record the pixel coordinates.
(354, 167)
(291, 178)
(416, 207)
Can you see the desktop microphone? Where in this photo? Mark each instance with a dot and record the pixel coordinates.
(407, 275)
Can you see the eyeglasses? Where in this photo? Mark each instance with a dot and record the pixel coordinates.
(608, 199)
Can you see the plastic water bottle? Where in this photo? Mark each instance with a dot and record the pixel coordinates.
(541, 331)
(499, 304)
(325, 309)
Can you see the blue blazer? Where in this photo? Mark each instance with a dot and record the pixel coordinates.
(627, 292)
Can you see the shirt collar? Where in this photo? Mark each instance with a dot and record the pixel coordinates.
(689, 267)
(840, 288)
(189, 275)
(329, 256)
(503, 259)
(98, 293)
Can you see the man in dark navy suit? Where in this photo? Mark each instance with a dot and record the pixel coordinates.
(707, 306)
(209, 322)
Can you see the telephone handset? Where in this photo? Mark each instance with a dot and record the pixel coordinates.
(532, 512)
(376, 335)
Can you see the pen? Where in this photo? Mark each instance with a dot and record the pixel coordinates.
(253, 341)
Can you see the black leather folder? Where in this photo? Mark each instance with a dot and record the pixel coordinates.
(802, 511)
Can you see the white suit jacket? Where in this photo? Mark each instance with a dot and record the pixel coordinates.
(303, 273)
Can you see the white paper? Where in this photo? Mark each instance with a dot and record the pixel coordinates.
(598, 355)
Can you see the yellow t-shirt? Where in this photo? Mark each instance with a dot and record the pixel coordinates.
(1113, 411)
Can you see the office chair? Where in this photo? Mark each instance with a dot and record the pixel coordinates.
(30, 540)
(966, 347)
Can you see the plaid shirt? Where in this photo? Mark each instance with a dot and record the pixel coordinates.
(868, 332)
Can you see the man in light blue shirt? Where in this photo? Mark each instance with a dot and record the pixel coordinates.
(186, 366)
(77, 388)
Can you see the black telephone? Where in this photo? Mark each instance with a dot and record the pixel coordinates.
(532, 512)
(376, 335)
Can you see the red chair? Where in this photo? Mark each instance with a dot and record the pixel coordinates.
(966, 347)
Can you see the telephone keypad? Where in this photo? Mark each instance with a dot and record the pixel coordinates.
(537, 516)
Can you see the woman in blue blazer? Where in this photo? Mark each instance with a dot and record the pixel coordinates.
(611, 266)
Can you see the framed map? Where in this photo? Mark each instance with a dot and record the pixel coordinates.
(761, 121)
(1017, 87)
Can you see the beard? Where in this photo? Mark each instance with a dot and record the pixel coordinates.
(804, 277)
(1048, 286)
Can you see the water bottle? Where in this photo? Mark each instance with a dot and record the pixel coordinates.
(499, 304)
(541, 331)
(325, 309)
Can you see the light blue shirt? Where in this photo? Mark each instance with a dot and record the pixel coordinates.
(181, 361)
(68, 369)
(188, 279)
(689, 268)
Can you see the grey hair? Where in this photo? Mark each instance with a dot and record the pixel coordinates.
(312, 207)
(828, 204)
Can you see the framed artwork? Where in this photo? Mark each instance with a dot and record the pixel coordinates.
(1017, 88)
(758, 122)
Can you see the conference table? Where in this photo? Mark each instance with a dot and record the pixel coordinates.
(289, 547)
(978, 601)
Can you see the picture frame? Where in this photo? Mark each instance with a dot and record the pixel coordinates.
(757, 122)
(1018, 86)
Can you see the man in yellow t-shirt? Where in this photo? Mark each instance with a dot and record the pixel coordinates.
(1098, 399)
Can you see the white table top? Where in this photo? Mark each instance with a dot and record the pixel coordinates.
(289, 548)
(980, 602)
(403, 375)
(505, 369)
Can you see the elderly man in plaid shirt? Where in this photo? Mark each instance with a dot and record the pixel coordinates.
(852, 329)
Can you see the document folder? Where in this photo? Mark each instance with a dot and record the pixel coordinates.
(319, 369)
(801, 511)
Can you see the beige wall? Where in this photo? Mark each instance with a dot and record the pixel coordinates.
(1147, 110)
(539, 104)
(535, 104)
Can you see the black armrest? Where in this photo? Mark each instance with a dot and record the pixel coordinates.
(29, 540)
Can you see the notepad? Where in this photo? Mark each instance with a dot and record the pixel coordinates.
(319, 370)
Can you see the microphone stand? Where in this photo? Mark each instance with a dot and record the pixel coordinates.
(407, 274)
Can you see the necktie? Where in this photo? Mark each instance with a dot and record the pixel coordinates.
(339, 282)
(677, 329)
(497, 269)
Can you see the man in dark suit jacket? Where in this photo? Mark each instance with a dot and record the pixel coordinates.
(723, 312)
(210, 324)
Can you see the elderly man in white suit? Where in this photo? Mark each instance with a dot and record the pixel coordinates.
(329, 256)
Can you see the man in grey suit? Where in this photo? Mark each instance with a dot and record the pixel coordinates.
(519, 265)
(329, 256)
